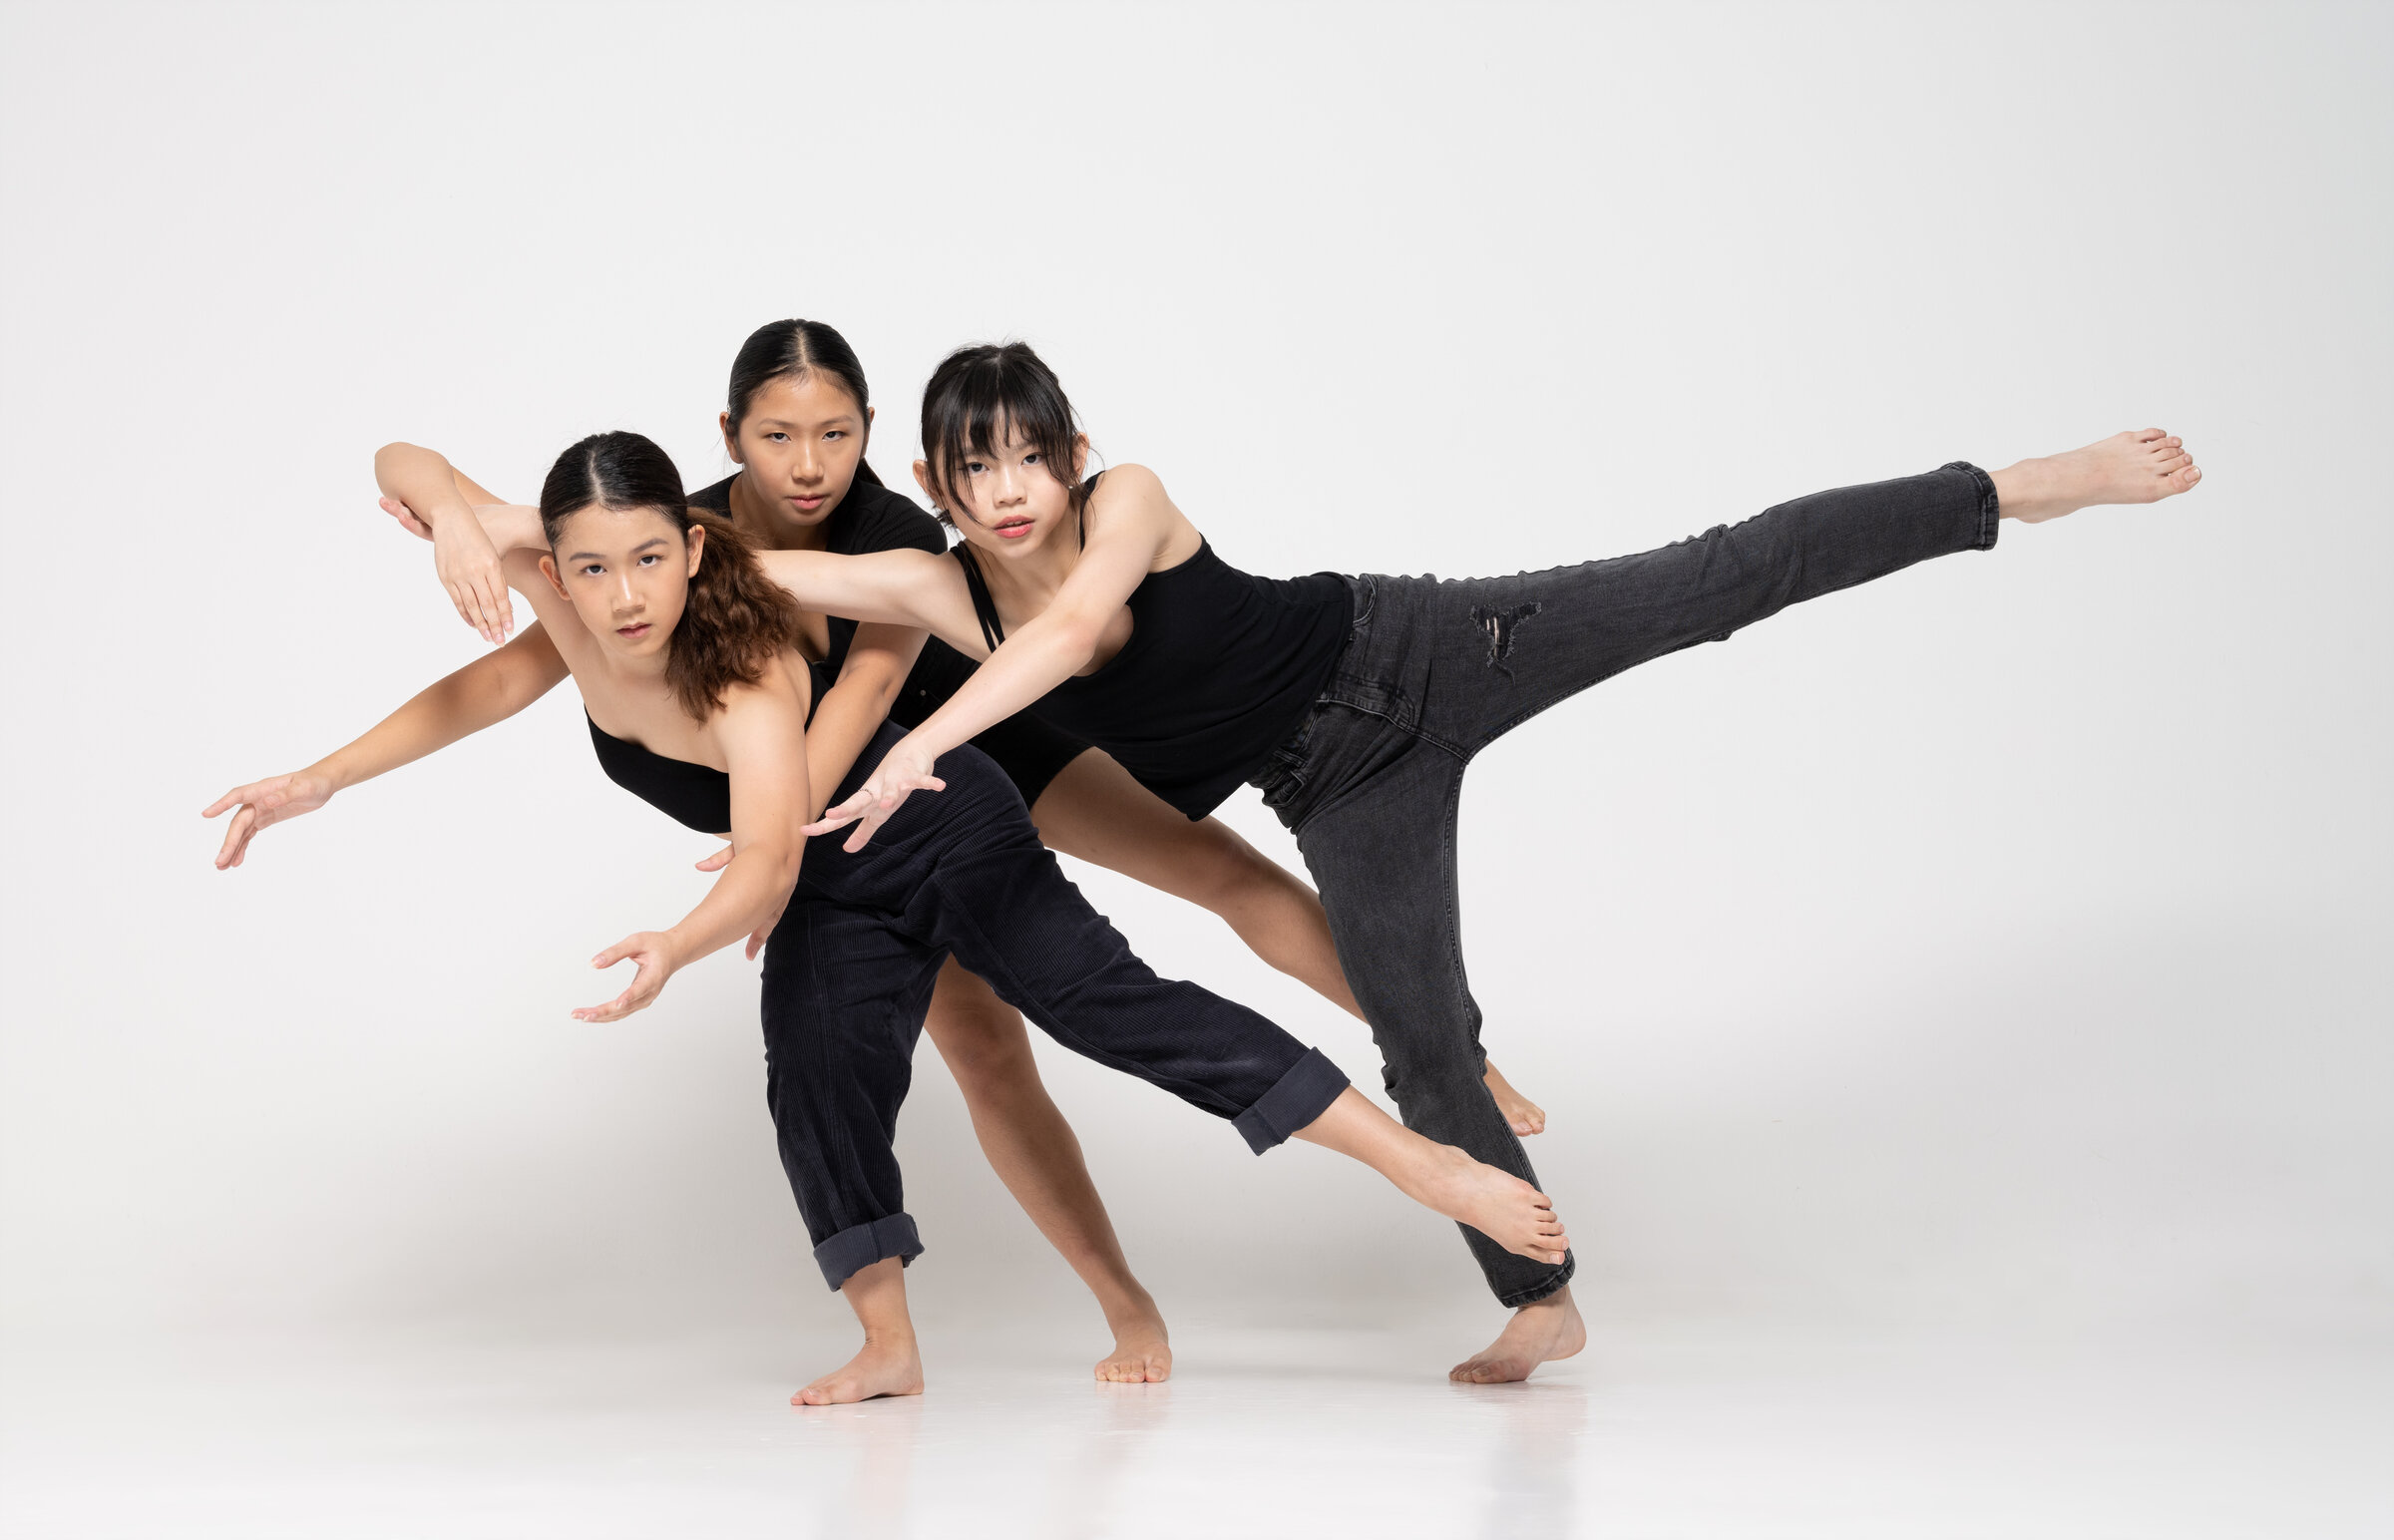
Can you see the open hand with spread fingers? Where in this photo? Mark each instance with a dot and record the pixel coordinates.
(261, 804)
(903, 771)
(655, 955)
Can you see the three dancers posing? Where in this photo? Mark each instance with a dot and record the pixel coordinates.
(1096, 615)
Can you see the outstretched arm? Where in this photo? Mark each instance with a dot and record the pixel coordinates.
(1136, 524)
(762, 732)
(487, 690)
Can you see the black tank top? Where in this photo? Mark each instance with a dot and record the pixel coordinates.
(695, 794)
(1220, 668)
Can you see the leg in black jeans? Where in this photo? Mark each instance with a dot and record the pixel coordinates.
(1435, 672)
(849, 976)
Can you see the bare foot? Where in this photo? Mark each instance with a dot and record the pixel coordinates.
(890, 1366)
(1497, 1204)
(1143, 1354)
(2144, 466)
(1537, 1334)
(1526, 1117)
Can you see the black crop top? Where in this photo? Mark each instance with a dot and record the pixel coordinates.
(694, 794)
(1220, 668)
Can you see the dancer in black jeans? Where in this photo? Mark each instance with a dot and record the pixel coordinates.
(677, 638)
(1354, 703)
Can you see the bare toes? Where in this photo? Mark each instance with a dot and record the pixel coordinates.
(2177, 461)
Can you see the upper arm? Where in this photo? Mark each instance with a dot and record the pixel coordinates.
(761, 729)
(894, 588)
(528, 666)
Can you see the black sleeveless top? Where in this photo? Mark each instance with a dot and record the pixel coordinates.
(694, 794)
(1220, 668)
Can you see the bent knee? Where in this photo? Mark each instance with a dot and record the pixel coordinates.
(982, 1045)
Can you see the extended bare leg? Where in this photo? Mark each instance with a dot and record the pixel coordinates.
(887, 1363)
(1036, 1155)
(1096, 811)
(1441, 1178)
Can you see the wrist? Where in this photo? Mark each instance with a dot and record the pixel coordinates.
(333, 772)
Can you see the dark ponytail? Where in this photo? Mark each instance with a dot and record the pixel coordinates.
(789, 350)
(975, 394)
(736, 620)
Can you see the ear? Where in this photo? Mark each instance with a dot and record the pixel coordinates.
(1080, 457)
(923, 480)
(697, 548)
(731, 446)
(868, 434)
(548, 570)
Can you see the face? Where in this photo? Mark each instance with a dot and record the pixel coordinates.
(800, 444)
(1009, 501)
(626, 572)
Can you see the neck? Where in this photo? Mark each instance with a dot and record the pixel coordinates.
(764, 521)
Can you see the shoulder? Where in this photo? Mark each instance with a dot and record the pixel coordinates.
(718, 498)
(771, 707)
(877, 519)
(1125, 483)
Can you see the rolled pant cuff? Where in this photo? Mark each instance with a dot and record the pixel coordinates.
(1544, 1287)
(1295, 1100)
(1990, 507)
(859, 1245)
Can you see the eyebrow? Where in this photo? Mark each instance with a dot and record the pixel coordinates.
(595, 555)
(784, 422)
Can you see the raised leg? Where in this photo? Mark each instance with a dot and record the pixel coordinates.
(1036, 1154)
(890, 1363)
(1096, 811)
(2140, 466)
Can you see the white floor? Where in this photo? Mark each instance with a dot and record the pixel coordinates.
(1661, 1430)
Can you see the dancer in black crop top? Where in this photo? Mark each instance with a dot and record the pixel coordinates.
(1354, 703)
(698, 700)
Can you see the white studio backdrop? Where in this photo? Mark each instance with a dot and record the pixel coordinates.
(2005, 940)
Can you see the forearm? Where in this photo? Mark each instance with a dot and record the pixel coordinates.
(511, 527)
(851, 712)
(458, 706)
(750, 891)
(1025, 666)
(423, 480)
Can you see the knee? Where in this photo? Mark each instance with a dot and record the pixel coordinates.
(985, 1046)
(1228, 875)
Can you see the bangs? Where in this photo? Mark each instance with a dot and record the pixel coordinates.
(980, 397)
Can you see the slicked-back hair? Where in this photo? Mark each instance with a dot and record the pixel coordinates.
(792, 350)
(976, 396)
(736, 620)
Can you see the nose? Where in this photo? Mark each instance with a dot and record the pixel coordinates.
(808, 467)
(1013, 487)
(626, 599)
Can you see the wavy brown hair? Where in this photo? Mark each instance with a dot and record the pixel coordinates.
(736, 620)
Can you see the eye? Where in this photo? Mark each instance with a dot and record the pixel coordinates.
(973, 468)
(778, 437)
(1031, 459)
(591, 569)
(651, 559)
(836, 432)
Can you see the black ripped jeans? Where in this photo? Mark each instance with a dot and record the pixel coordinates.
(1433, 671)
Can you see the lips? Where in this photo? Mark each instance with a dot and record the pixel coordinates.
(808, 505)
(1013, 529)
(632, 632)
